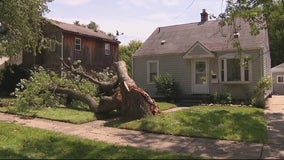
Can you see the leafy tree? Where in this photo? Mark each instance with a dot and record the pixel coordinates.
(255, 12)
(77, 23)
(276, 34)
(93, 25)
(260, 14)
(20, 25)
(126, 52)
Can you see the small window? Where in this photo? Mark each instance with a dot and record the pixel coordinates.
(152, 71)
(78, 44)
(280, 79)
(107, 49)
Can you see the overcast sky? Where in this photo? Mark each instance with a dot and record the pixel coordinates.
(137, 19)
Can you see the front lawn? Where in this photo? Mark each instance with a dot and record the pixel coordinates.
(18, 142)
(64, 114)
(218, 122)
(165, 105)
(59, 114)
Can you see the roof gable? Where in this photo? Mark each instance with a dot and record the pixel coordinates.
(279, 68)
(198, 50)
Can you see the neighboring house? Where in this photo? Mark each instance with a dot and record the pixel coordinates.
(202, 59)
(10, 60)
(278, 79)
(94, 48)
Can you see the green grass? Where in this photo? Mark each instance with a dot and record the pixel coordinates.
(218, 122)
(59, 114)
(69, 114)
(165, 105)
(18, 142)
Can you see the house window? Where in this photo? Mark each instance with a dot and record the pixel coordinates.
(235, 70)
(107, 49)
(78, 44)
(280, 79)
(152, 71)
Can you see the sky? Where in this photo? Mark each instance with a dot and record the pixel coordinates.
(137, 19)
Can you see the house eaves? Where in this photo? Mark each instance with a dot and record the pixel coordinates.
(82, 31)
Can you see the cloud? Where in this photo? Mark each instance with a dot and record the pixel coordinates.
(72, 2)
(148, 4)
(171, 2)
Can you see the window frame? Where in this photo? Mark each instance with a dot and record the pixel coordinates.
(149, 69)
(277, 80)
(223, 70)
(107, 49)
(78, 44)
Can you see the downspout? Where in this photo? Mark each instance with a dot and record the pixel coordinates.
(261, 63)
(61, 56)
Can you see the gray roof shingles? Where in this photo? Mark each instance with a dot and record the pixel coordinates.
(180, 38)
(278, 68)
(80, 30)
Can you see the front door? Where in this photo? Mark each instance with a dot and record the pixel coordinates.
(200, 77)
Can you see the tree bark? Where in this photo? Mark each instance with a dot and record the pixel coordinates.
(89, 100)
(136, 103)
(103, 86)
(133, 101)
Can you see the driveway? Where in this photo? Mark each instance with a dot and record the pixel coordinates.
(275, 127)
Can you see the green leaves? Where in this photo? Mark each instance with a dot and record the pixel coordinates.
(38, 90)
(21, 25)
(126, 52)
(167, 86)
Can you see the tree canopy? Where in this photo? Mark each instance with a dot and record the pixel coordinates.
(93, 25)
(256, 12)
(260, 14)
(276, 34)
(20, 25)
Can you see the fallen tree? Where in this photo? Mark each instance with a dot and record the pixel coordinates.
(132, 101)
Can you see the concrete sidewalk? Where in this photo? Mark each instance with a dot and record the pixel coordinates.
(219, 149)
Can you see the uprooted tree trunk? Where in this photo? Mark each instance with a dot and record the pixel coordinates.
(135, 102)
(132, 101)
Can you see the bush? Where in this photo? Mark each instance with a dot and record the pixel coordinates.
(10, 77)
(167, 86)
(262, 86)
(223, 98)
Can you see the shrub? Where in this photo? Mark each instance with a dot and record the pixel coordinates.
(167, 86)
(262, 86)
(223, 98)
(10, 77)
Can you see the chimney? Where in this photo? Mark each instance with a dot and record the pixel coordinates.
(204, 16)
